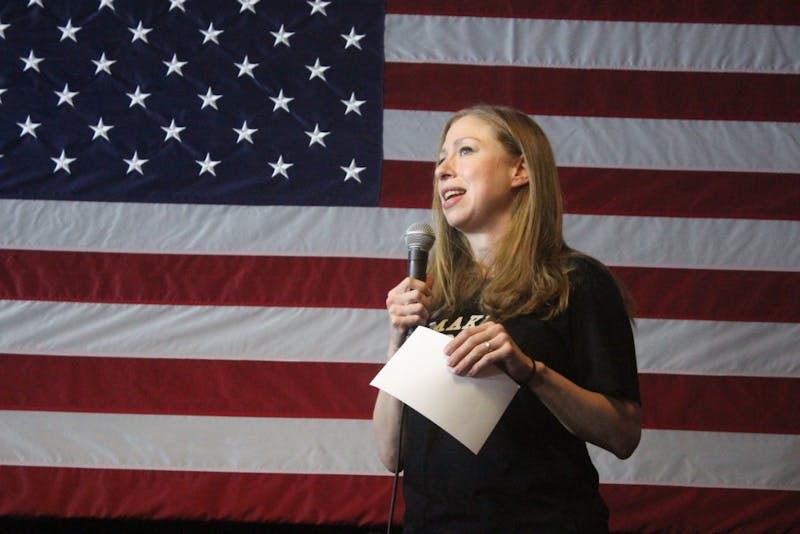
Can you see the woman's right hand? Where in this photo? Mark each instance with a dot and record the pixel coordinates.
(407, 304)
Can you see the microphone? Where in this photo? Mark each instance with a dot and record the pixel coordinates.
(419, 240)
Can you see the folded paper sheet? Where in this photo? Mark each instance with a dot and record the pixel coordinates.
(468, 408)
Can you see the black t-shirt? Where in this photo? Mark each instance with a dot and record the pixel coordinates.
(532, 475)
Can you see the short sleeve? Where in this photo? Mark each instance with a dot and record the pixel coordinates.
(601, 334)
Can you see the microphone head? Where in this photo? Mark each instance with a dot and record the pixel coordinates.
(420, 236)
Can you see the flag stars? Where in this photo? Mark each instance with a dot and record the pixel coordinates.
(317, 136)
(4, 27)
(62, 163)
(106, 3)
(138, 98)
(173, 131)
(318, 6)
(281, 101)
(352, 39)
(135, 163)
(280, 167)
(139, 33)
(353, 104)
(352, 171)
(65, 96)
(28, 127)
(177, 4)
(211, 34)
(31, 62)
(317, 70)
(245, 133)
(69, 31)
(281, 37)
(209, 99)
(32, 3)
(103, 64)
(174, 65)
(1, 94)
(207, 165)
(101, 130)
(248, 5)
(245, 67)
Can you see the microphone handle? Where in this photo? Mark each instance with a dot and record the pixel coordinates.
(417, 263)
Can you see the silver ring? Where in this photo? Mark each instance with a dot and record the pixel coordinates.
(488, 346)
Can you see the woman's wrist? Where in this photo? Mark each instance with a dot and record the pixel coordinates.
(526, 381)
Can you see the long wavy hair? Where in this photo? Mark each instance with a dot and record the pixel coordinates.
(529, 273)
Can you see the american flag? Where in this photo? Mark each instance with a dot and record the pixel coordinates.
(202, 206)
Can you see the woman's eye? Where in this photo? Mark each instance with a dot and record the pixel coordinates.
(464, 150)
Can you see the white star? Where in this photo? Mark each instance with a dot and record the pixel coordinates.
(69, 31)
(209, 99)
(281, 101)
(103, 64)
(106, 3)
(62, 162)
(282, 37)
(248, 5)
(36, 2)
(245, 67)
(352, 39)
(280, 167)
(353, 104)
(211, 34)
(3, 28)
(352, 171)
(135, 163)
(245, 133)
(31, 62)
(318, 6)
(207, 165)
(139, 32)
(1, 94)
(174, 65)
(100, 130)
(173, 131)
(65, 95)
(177, 4)
(317, 70)
(137, 98)
(28, 127)
(317, 136)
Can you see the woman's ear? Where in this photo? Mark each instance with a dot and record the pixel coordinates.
(520, 176)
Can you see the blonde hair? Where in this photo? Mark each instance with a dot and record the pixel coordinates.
(529, 272)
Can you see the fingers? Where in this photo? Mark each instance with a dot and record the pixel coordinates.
(407, 303)
(474, 349)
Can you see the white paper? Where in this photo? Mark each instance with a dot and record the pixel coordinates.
(467, 408)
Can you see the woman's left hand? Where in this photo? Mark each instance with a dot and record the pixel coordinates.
(476, 348)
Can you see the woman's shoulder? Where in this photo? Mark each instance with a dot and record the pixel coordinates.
(589, 277)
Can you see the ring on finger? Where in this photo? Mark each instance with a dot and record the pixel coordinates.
(488, 346)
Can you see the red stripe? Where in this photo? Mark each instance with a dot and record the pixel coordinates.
(352, 499)
(280, 389)
(706, 294)
(121, 493)
(676, 509)
(655, 193)
(702, 294)
(720, 403)
(721, 11)
(594, 92)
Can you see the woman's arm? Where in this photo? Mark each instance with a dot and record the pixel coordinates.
(407, 304)
(610, 423)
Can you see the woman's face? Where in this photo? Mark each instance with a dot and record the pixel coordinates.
(476, 178)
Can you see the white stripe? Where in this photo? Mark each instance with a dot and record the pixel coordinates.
(592, 44)
(342, 446)
(666, 144)
(375, 233)
(708, 459)
(252, 333)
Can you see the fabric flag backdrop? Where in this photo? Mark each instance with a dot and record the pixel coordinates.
(202, 206)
